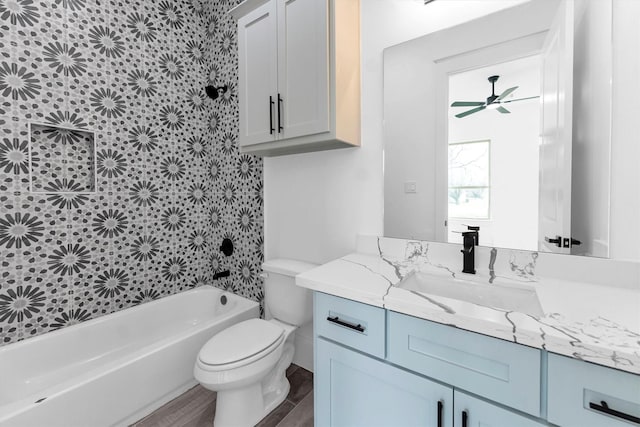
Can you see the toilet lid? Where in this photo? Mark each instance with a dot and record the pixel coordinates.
(240, 341)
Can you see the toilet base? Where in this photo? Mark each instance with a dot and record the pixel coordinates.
(246, 406)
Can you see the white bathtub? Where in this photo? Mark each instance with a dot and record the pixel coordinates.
(115, 369)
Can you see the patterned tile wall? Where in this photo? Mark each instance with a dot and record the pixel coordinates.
(171, 183)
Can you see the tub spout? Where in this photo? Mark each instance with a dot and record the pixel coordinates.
(221, 274)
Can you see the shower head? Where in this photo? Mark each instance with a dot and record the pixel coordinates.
(214, 92)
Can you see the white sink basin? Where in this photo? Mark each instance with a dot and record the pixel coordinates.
(503, 296)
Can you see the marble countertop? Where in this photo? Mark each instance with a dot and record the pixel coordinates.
(590, 322)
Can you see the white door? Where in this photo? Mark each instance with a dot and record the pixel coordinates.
(556, 132)
(258, 75)
(303, 67)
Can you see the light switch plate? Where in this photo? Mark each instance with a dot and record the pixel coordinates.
(410, 187)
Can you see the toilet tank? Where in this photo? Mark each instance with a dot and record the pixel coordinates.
(286, 301)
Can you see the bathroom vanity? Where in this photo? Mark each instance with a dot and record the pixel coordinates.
(389, 353)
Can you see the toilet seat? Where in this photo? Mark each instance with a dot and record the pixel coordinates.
(240, 345)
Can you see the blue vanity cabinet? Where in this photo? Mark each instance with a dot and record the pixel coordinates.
(375, 367)
(353, 389)
(588, 395)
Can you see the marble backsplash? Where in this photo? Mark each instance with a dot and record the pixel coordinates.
(491, 263)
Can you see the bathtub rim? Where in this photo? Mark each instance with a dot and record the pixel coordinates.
(119, 313)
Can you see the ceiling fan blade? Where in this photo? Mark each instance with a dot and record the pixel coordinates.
(507, 92)
(521, 99)
(466, 113)
(503, 110)
(467, 103)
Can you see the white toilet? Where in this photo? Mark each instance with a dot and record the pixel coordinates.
(246, 362)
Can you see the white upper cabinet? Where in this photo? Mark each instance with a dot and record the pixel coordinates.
(299, 75)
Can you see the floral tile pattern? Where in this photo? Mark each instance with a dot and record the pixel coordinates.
(170, 180)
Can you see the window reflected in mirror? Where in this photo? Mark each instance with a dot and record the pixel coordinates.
(469, 178)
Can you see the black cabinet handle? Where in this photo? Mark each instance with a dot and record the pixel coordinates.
(349, 325)
(271, 128)
(440, 408)
(280, 128)
(604, 408)
(557, 241)
(465, 416)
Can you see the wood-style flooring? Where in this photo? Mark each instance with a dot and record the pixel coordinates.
(196, 407)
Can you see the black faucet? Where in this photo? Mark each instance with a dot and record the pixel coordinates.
(469, 242)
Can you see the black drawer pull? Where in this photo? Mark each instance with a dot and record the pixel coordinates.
(604, 408)
(464, 418)
(337, 321)
(440, 408)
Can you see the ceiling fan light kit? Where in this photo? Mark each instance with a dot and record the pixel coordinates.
(493, 102)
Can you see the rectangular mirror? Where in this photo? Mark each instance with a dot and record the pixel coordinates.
(503, 122)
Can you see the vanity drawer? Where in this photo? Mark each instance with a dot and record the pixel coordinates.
(350, 323)
(495, 369)
(574, 386)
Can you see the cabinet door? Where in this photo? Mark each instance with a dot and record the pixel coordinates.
(258, 75)
(303, 67)
(353, 390)
(472, 412)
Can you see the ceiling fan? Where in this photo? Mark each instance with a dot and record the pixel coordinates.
(493, 102)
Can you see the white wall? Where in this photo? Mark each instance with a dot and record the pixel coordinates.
(316, 203)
